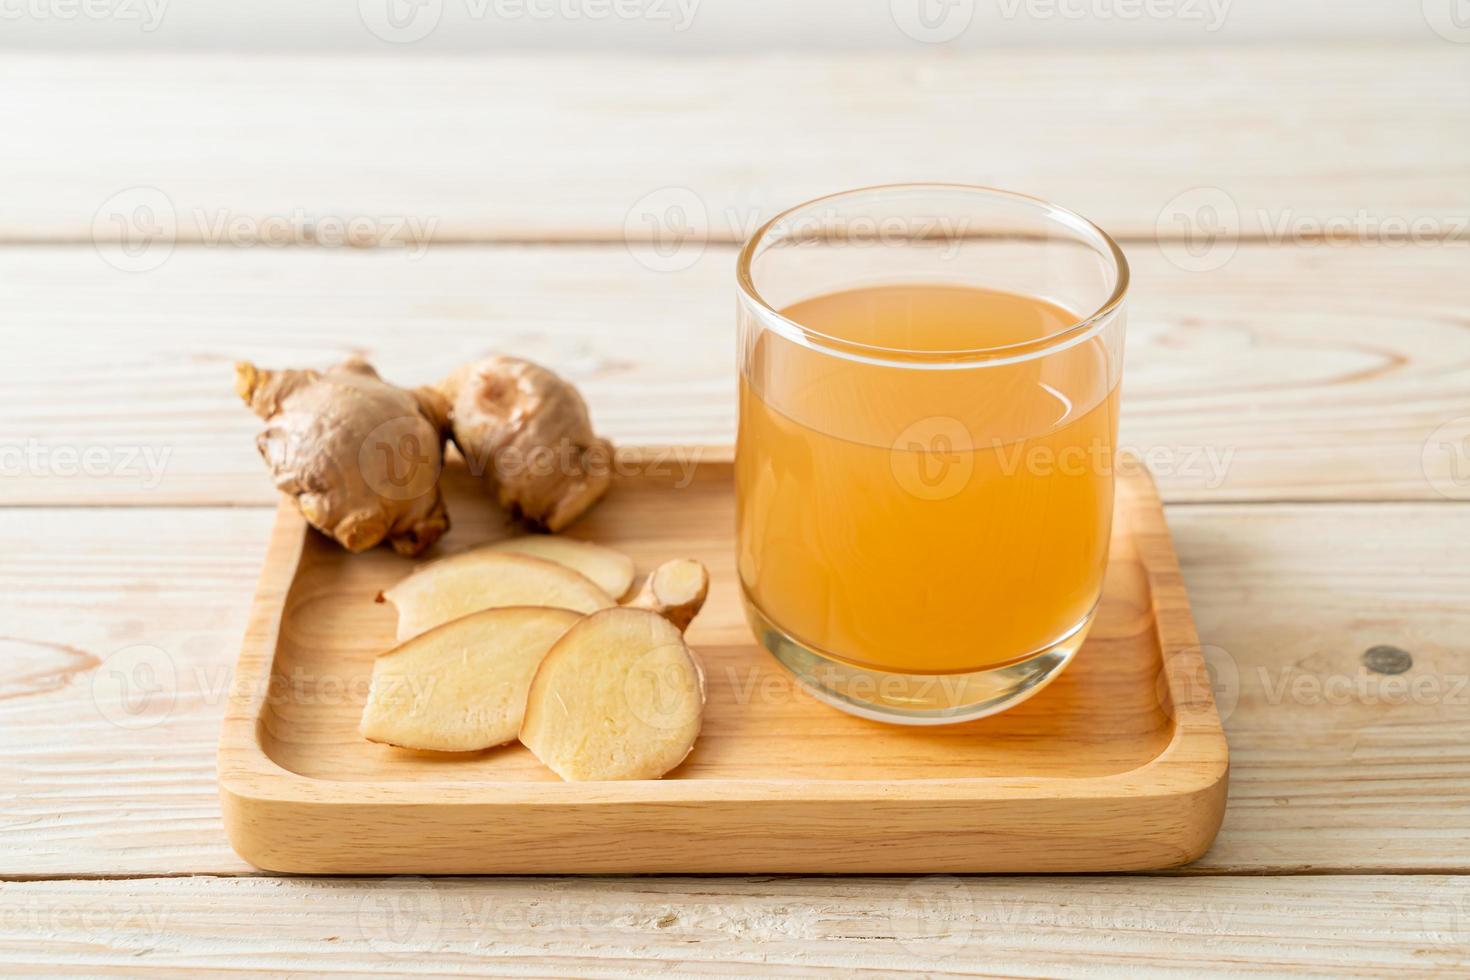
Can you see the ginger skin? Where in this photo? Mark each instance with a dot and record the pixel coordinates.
(526, 432)
(360, 457)
(676, 591)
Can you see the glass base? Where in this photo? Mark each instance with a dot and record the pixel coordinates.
(917, 699)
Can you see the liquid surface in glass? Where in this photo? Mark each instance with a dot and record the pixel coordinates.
(931, 516)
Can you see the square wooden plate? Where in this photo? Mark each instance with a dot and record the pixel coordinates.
(1118, 765)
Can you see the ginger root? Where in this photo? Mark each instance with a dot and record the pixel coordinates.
(360, 456)
(526, 432)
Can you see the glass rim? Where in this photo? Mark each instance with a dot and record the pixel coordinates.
(1058, 339)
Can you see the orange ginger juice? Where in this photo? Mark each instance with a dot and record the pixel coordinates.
(925, 510)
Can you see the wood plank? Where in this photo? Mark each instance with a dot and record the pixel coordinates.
(121, 631)
(1298, 373)
(1377, 778)
(617, 927)
(1306, 613)
(570, 147)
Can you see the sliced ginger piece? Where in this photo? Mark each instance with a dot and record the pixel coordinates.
(619, 696)
(676, 591)
(462, 686)
(611, 571)
(462, 584)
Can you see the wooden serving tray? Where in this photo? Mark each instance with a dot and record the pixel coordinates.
(1118, 765)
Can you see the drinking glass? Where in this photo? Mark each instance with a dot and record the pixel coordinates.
(929, 384)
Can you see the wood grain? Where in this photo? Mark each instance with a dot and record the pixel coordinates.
(571, 148)
(1336, 764)
(1359, 782)
(1119, 764)
(1322, 373)
(1304, 373)
(937, 926)
(121, 631)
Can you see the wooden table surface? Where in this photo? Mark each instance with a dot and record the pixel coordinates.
(1298, 375)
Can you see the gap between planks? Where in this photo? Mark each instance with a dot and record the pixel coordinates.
(139, 506)
(573, 238)
(1188, 871)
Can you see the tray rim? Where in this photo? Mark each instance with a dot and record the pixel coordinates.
(1194, 763)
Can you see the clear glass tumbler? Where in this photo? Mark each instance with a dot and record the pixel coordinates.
(928, 424)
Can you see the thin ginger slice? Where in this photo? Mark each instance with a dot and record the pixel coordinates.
(619, 696)
(611, 571)
(445, 590)
(462, 686)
